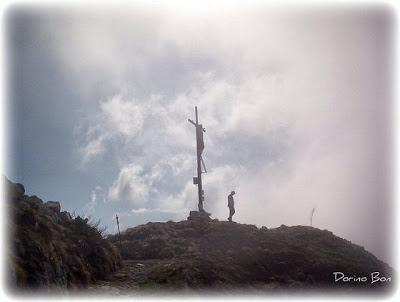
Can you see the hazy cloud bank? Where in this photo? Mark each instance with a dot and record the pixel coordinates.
(295, 106)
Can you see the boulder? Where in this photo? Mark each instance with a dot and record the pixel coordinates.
(81, 221)
(14, 190)
(65, 215)
(35, 201)
(54, 206)
(199, 216)
(20, 188)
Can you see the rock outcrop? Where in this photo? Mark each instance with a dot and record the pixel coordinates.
(215, 254)
(49, 248)
(54, 206)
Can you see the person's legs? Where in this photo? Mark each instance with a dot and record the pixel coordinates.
(231, 212)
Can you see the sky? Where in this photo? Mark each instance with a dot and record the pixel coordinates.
(296, 103)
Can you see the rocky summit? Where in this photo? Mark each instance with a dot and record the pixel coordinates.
(201, 254)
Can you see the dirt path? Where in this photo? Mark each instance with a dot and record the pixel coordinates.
(128, 278)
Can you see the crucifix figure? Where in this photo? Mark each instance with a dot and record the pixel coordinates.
(199, 147)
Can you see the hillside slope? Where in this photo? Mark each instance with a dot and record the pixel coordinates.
(49, 248)
(215, 254)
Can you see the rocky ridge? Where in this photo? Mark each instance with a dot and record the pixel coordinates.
(50, 248)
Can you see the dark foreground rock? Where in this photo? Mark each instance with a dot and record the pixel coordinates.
(199, 255)
(50, 249)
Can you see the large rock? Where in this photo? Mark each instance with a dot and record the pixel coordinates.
(54, 206)
(199, 216)
(14, 191)
(66, 215)
(80, 221)
(20, 188)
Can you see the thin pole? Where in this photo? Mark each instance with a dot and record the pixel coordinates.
(311, 216)
(119, 234)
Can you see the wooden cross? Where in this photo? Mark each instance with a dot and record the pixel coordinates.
(199, 148)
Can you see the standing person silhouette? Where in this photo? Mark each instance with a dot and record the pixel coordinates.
(231, 205)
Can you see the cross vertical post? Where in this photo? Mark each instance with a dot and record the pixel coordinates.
(200, 183)
(199, 149)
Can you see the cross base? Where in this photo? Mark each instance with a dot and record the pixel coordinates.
(199, 216)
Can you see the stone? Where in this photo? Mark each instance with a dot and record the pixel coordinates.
(14, 190)
(65, 215)
(199, 216)
(120, 275)
(79, 220)
(20, 188)
(35, 201)
(54, 206)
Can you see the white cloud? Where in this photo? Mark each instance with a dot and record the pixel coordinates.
(93, 148)
(130, 187)
(124, 117)
(140, 210)
(290, 103)
(116, 118)
(182, 201)
(90, 207)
